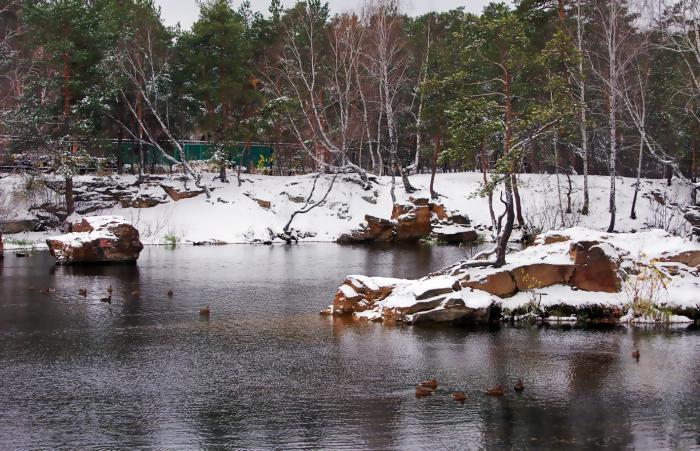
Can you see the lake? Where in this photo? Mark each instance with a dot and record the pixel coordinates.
(265, 370)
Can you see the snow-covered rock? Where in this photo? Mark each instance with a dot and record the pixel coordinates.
(97, 239)
(572, 275)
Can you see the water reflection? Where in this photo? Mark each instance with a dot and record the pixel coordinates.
(267, 371)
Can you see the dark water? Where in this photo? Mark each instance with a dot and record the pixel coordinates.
(266, 371)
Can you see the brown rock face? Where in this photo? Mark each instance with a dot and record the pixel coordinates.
(98, 239)
(555, 238)
(354, 296)
(380, 229)
(455, 236)
(141, 202)
(690, 258)
(264, 203)
(594, 269)
(498, 283)
(19, 226)
(439, 211)
(541, 275)
(176, 194)
(412, 221)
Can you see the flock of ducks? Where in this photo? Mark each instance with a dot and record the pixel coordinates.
(428, 387)
(108, 299)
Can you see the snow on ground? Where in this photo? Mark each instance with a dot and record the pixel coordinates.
(234, 216)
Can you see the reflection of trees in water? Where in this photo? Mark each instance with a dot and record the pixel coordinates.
(562, 406)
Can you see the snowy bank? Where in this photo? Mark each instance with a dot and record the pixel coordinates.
(575, 274)
(169, 210)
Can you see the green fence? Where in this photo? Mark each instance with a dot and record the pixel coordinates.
(129, 153)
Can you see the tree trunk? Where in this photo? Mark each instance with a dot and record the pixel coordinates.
(694, 169)
(484, 170)
(436, 154)
(582, 106)
(240, 160)
(612, 114)
(507, 230)
(70, 203)
(633, 213)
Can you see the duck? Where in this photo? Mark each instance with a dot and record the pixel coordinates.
(495, 391)
(135, 292)
(48, 290)
(429, 384)
(423, 391)
(109, 289)
(636, 354)
(107, 300)
(519, 386)
(204, 311)
(459, 396)
(170, 292)
(82, 292)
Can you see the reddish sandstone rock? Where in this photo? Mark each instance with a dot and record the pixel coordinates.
(264, 203)
(499, 283)
(439, 211)
(358, 295)
(689, 258)
(97, 239)
(380, 229)
(412, 221)
(178, 194)
(541, 275)
(596, 267)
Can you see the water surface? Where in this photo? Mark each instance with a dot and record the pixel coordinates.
(266, 371)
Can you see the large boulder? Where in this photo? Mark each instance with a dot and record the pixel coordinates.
(689, 258)
(540, 275)
(596, 267)
(692, 215)
(177, 194)
(97, 239)
(497, 282)
(412, 220)
(454, 234)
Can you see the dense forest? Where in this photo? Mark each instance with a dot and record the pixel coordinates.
(608, 87)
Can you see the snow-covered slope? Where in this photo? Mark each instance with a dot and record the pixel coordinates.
(233, 215)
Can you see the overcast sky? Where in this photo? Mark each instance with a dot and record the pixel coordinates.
(186, 11)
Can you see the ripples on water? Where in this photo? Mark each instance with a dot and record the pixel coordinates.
(266, 371)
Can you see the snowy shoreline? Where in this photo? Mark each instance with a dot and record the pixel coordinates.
(263, 204)
(575, 275)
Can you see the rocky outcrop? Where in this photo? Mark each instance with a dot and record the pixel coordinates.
(97, 239)
(692, 215)
(19, 226)
(454, 234)
(496, 282)
(412, 220)
(688, 258)
(597, 267)
(541, 275)
(417, 219)
(572, 275)
(266, 204)
(142, 201)
(178, 194)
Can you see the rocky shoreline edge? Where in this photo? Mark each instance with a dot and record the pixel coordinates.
(572, 275)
